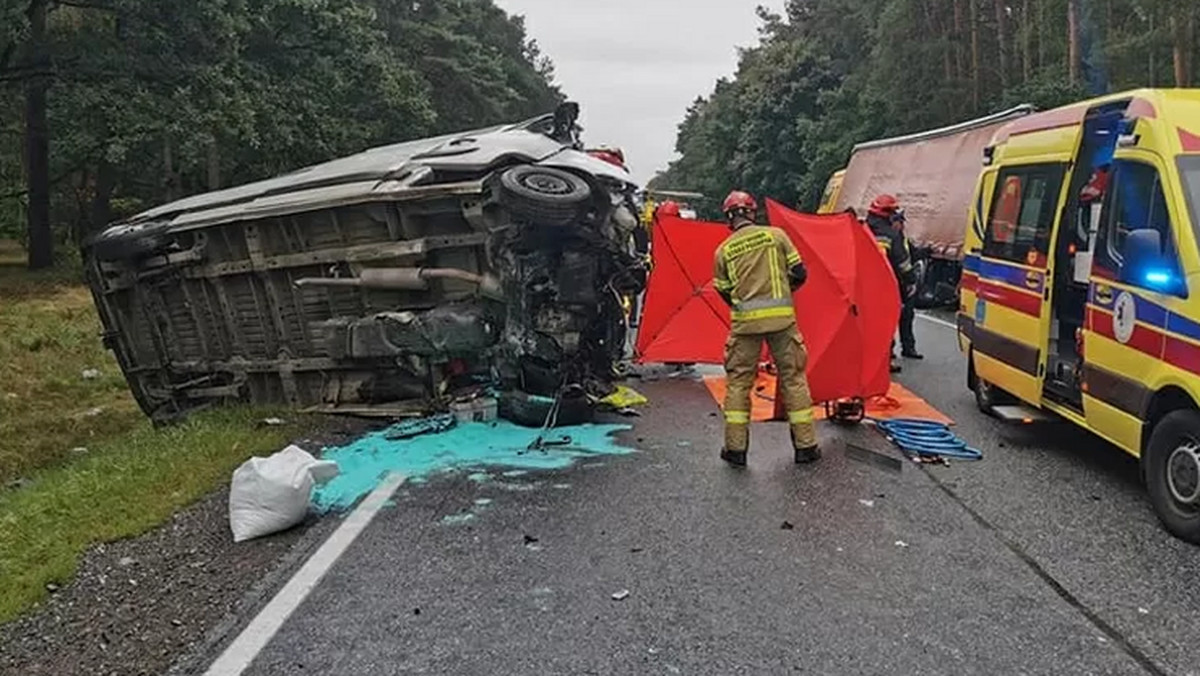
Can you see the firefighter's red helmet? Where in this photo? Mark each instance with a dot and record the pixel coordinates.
(739, 200)
(884, 205)
(668, 208)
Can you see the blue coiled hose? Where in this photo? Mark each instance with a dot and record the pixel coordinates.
(926, 438)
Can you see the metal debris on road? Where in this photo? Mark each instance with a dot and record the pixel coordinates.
(901, 544)
(415, 428)
(787, 525)
(867, 503)
(530, 539)
(621, 595)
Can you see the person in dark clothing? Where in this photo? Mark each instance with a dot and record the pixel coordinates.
(908, 311)
(893, 244)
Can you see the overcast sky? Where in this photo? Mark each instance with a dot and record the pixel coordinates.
(635, 66)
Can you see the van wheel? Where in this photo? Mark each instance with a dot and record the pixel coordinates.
(988, 396)
(1172, 469)
(543, 195)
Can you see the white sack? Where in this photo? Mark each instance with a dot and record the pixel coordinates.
(271, 494)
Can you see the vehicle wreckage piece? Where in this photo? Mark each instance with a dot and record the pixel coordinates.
(404, 274)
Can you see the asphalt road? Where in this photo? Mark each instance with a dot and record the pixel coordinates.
(1044, 558)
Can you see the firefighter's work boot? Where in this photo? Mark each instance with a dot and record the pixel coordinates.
(735, 458)
(911, 353)
(807, 456)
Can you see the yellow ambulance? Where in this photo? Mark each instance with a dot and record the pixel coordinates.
(1081, 283)
(833, 190)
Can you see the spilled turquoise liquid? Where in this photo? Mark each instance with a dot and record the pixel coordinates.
(470, 447)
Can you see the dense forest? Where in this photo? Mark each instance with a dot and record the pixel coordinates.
(114, 105)
(832, 73)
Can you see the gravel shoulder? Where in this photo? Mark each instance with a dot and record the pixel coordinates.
(152, 604)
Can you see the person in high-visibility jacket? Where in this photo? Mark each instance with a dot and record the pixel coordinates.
(756, 270)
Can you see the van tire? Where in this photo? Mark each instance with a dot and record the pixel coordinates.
(543, 195)
(1172, 471)
(988, 397)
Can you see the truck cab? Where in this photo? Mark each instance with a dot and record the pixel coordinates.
(1080, 295)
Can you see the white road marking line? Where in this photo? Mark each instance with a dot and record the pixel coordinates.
(939, 322)
(238, 656)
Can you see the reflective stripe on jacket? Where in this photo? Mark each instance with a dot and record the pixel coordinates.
(751, 267)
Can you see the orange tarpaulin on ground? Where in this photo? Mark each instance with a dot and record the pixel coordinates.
(898, 403)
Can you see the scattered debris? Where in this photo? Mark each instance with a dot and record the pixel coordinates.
(481, 409)
(467, 449)
(483, 502)
(841, 549)
(52, 587)
(529, 539)
(177, 623)
(271, 494)
(624, 397)
(457, 519)
(126, 561)
(684, 444)
(561, 487)
(621, 595)
(11, 396)
(901, 544)
(79, 450)
(273, 422)
(636, 550)
(867, 503)
(515, 473)
(787, 525)
(416, 611)
(415, 428)
(1144, 611)
(90, 374)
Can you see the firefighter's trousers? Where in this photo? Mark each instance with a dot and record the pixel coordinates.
(741, 368)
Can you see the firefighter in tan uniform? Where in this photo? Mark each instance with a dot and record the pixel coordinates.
(756, 270)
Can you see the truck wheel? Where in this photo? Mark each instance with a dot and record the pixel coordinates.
(1172, 470)
(543, 195)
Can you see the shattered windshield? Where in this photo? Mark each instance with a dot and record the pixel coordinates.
(1189, 169)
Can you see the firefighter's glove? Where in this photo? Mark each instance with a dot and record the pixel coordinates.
(797, 276)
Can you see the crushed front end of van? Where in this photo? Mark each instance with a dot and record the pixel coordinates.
(390, 282)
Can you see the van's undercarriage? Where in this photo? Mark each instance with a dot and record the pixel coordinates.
(512, 280)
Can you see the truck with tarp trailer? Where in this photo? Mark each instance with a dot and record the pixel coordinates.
(933, 174)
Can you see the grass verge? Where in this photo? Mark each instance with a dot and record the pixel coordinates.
(126, 486)
(79, 463)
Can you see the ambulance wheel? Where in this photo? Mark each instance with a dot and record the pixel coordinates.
(1172, 470)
